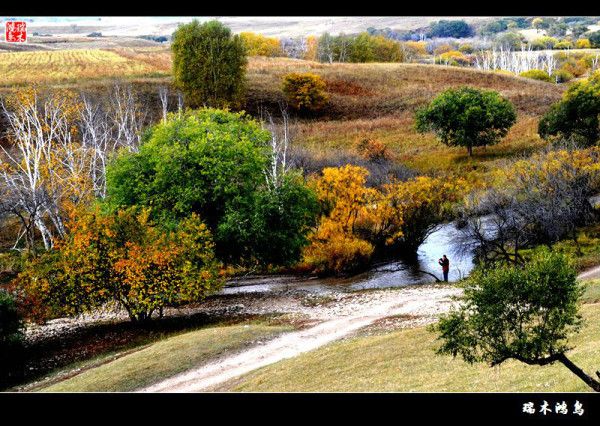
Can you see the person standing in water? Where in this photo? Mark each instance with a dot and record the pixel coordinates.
(445, 264)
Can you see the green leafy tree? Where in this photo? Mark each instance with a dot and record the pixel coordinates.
(467, 117)
(524, 314)
(212, 163)
(209, 64)
(273, 228)
(199, 162)
(575, 118)
(594, 38)
(450, 28)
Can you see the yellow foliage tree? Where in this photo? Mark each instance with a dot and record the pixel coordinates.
(312, 47)
(358, 220)
(583, 43)
(260, 45)
(334, 248)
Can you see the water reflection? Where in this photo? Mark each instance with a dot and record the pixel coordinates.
(410, 271)
(394, 274)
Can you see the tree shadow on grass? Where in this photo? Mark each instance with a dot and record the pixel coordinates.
(49, 354)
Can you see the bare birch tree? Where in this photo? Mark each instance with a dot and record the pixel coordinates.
(163, 95)
(40, 163)
(128, 115)
(280, 142)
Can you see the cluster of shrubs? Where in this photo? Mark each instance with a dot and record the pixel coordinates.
(158, 39)
(558, 76)
(537, 75)
(453, 57)
(572, 65)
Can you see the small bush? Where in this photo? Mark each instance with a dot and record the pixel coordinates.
(453, 57)
(587, 61)
(576, 68)
(563, 44)
(339, 254)
(466, 48)
(537, 75)
(373, 150)
(11, 264)
(562, 76)
(305, 91)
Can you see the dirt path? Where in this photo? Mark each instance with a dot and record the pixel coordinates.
(590, 274)
(359, 311)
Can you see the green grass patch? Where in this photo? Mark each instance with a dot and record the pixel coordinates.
(592, 292)
(405, 361)
(163, 359)
(587, 255)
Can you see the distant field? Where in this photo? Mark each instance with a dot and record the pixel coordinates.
(378, 89)
(281, 26)
(72, 66)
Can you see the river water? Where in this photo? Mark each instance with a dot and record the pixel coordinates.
(398, 273)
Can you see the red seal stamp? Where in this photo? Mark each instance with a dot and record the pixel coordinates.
(16, 32)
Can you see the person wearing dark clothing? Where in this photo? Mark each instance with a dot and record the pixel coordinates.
(444, 262)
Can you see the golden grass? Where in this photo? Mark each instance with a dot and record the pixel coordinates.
(158, 58)
(63, 66)
(378, 100)
(390, 88)
(422, 152)
(405, 361)
(376, 88)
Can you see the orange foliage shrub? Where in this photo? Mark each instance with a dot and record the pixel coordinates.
(124, 259)
(373, 150)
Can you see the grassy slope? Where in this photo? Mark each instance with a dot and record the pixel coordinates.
(379, 100)
(374, 100)
(163, 359)
(405, 361)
